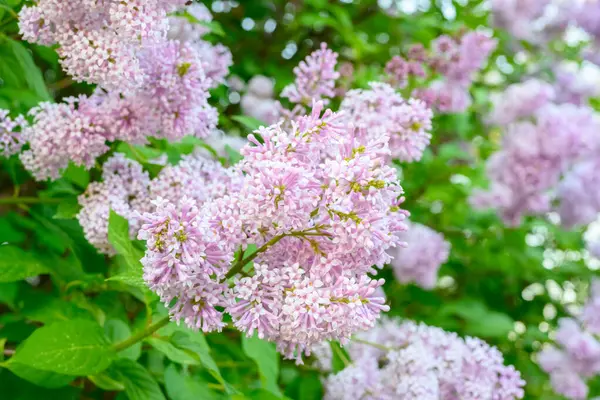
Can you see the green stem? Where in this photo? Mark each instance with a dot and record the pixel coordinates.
(243, 262)
(377, 345)
(29, 200)
(133, 339)
(237, 267)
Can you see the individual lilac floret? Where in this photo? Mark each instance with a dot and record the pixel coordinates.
(11, 134)
(381, 111)
(315, 78)
(421, 259)
(405, 360)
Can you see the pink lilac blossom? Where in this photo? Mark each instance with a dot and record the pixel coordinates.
(455, 61)
(575, 357)
(189, 27)
(63, 133)
(381, 111)
(533, 157)
(579, 194)
(420, 261)
(11, 134)
(315, 78)
(521, 100)
(124, 189)
(517, 16)
(321, 207)
(416, 361)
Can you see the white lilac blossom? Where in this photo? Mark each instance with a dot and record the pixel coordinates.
(405, 360)
(381, 111)
(420, 260)
(321, 207)
(11, 136)
(315, 78)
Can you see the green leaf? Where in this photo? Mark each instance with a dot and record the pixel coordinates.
(196, 342)
(107, 381)
(67, 208)
(249, 122)
(172, 352)
(77, 175)
(117, 331)
(8, 293)
(16, 264)
(47, 379)
(233, 154)
(266, 358)
(118, 236)
(41, 307)
(340, 357)
(180, 387)
(139, 384)
(493, 325)
(19, 71)
(76, 347)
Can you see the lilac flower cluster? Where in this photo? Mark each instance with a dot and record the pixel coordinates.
(405, 360)
(578, 356)
(127, 190)
(420, 261)
(455, 60)
(381, 111)
(99, 42)
(536, 153)
(315, 210)
(171, 103)
(315, 78)
(11, 140)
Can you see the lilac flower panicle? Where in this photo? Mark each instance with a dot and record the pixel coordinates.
(319, 202)
(416, 361)
(315, 78)
(381, 111)
(11, 134)
(421, 259)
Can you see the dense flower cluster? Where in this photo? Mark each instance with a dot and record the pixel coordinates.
(381, 111)
(420, 261)
(171, 102)
(405, 360)
(578, 356)
(315, 78)
(127, 190)
(11, 139)
(537, 152)
(99, 42)
(320, 206)
(454, 60)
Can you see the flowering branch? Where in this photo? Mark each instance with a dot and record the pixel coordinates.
(133, 339)
(244, 261)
